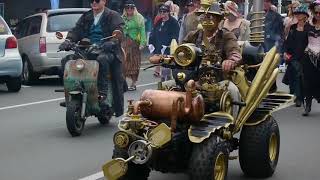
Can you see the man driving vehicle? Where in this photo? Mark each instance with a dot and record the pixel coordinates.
(98, 23)
(216, 43)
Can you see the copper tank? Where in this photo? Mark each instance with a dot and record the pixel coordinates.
(157, 104)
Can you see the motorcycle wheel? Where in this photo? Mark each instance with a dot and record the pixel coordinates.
(104, 119)
(74, 122)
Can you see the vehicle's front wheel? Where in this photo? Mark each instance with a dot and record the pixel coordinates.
(75, 123)
(105, 115)
(259, 149)
(28, 75)
(135, 171)
(14, 84)
(209, 160)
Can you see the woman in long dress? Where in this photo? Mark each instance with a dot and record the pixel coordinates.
(135, 41)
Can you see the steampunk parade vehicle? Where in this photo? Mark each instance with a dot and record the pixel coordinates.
(191, 126)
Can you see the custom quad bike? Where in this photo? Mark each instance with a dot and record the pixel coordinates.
(80, 87)
(190, 126)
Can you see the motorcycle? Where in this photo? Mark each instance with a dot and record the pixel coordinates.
(80, 87)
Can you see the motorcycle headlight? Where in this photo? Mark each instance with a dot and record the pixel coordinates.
(80, 65)
(185, 55)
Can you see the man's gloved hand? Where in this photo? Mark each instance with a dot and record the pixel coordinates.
(65, 46)
(108, 46)
(228, 65)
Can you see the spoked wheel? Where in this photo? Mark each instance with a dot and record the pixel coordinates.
(209, 160)
(259, 149)
(75, 123)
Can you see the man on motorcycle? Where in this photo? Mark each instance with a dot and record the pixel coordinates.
(214, 41)
(98, 23)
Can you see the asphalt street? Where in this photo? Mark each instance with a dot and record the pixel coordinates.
(35, 144)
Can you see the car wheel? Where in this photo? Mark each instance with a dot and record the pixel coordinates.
(28, 76)
(14, 84)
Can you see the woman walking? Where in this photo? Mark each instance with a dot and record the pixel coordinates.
(135, 41)
(311, 63)
(294, 52)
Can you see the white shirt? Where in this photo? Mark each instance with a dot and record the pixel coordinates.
(97, 18)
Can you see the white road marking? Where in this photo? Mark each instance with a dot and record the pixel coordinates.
(29, 104)
(24, 86)
(52, 100)
(96, 176)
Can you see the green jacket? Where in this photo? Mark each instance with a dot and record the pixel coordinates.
(135, 29)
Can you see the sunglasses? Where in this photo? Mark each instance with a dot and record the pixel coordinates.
(130, 6)
(97, 1)
(317, 12)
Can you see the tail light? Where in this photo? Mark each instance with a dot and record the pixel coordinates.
(11, 43)
(42, 45)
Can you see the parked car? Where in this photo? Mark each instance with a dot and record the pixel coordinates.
(38, 44)
(10, 59)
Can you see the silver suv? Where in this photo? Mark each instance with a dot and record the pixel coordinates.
(38, 44)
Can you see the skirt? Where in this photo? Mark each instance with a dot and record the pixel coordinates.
(132, 62)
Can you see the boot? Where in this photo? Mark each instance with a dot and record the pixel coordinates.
(307, 107)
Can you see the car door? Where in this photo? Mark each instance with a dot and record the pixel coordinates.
(29, 40)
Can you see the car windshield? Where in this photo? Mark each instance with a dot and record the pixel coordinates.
(3, 27)
(62, 22)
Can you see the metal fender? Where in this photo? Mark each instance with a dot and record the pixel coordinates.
(209, 124)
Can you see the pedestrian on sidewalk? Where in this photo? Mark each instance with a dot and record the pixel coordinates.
(134, 42)
(294, 52)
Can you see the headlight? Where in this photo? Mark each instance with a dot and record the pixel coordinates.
(79, 65)
(185, 55)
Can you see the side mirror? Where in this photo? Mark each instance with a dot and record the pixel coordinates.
(59, 35)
